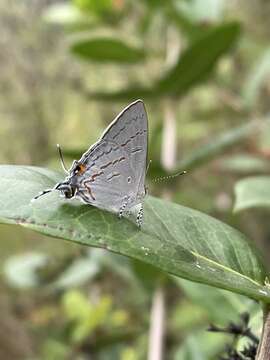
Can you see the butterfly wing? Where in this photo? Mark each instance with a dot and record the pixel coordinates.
(115, 165)
(130, 131)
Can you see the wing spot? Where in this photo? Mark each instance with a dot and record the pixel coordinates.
(124, 144)
(106, 165)
(112, 162)
(133, 151)
(129, 179)
(111, 176)
(103, 153)
(118, 160)
(140, 132)
(94, 176)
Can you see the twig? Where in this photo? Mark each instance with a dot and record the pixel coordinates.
(264, 347)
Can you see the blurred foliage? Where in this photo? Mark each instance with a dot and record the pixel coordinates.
(59, 301)
(102, 49)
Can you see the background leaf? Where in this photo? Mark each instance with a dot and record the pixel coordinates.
(178, 240)
(20, 270)
(256, 79)
(193, 66)
(199, 59)
(252, 192)
(107, 48)
(245, 164)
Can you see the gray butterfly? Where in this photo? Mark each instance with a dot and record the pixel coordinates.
(111, 174)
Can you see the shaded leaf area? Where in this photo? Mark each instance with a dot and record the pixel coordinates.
(252, 192)
(176, 239)
(193, 66)
(104, 49)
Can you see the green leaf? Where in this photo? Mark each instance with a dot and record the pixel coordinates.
(252, 192)
(176, 239)
(199, 59)
(21, 270)
(97, 7)
(80, 272)
(257, 78)
(245, 164)
(107, 48)
(193, 66)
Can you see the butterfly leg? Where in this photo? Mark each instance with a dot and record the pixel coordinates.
(83, 197)
(139, 219)
(123, 207)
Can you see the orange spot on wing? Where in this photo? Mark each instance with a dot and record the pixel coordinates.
(82, 168)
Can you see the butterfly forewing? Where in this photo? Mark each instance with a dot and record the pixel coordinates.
(130, 131)
(115, 165)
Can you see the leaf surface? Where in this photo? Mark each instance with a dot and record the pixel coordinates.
(252, 192)
(176, 239)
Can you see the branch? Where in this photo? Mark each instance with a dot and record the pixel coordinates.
(264, 347)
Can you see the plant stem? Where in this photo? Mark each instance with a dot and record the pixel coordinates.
(156, 333)
(168, 150)
(264, 346)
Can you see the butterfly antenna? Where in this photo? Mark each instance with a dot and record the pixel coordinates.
(62, 159)
(41, 194)
(162, 178)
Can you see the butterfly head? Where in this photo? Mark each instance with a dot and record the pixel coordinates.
(66, 188)
(69, 186)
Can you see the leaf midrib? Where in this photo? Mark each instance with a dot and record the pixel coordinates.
(196, 254)
(225, 268)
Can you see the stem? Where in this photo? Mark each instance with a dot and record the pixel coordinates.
(264, 346)
(169, 137)
(168, 150)
(155, 350)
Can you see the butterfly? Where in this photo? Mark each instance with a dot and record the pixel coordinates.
(111, 173)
